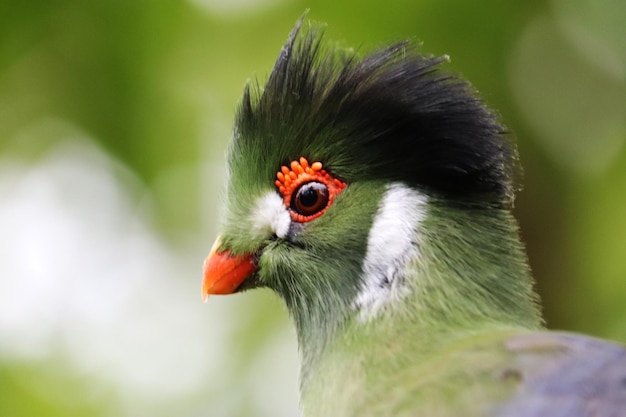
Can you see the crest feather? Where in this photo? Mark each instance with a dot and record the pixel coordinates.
(391, 115)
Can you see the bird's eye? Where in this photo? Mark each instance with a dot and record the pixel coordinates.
(307, 190)
(310, 198)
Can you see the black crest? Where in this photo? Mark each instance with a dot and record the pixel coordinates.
(391, 115)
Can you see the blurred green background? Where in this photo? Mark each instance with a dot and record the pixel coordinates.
(114, 118)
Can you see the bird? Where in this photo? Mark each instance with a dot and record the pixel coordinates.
(373, 193)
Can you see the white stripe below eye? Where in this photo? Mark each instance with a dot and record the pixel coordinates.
(391, 245)
(270, 216)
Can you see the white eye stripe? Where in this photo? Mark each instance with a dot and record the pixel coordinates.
(390, 247)
(270, 216)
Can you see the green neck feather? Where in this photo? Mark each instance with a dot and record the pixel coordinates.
(473, 270)
(471, 276)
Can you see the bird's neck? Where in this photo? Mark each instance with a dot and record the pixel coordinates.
(468, 275)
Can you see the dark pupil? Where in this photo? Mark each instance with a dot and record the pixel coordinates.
(308, 197)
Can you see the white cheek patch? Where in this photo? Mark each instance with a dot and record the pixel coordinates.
(270, 216)
(393, 243)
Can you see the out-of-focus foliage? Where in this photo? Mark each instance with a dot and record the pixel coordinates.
(114, 118)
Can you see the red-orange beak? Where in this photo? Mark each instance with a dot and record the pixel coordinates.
(224, 272)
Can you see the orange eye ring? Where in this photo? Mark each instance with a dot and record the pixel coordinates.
(307, 190)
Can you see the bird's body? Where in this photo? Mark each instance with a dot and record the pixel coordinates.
(496, 372)
(373, 195)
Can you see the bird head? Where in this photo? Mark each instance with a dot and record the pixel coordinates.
(364, 185)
